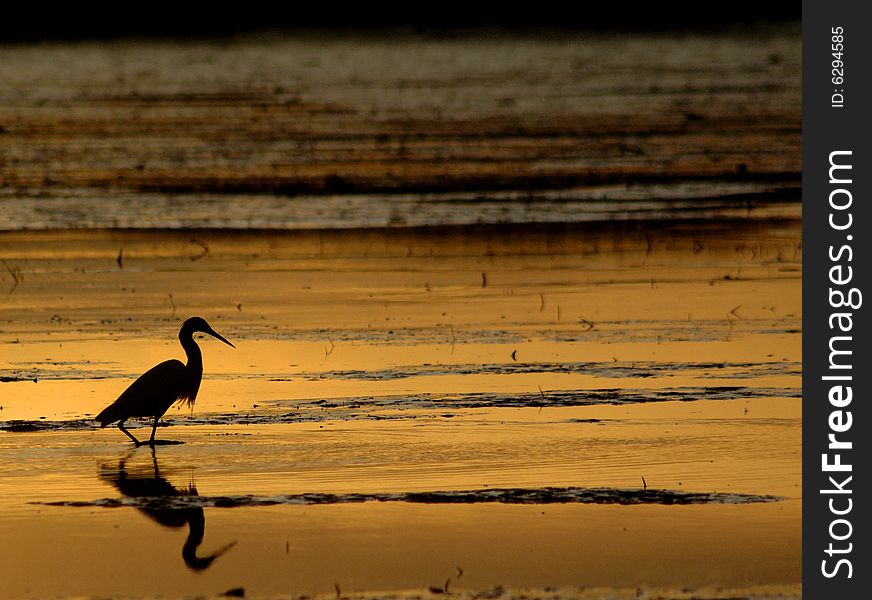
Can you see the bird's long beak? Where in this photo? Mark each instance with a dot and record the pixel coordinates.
(214, 333)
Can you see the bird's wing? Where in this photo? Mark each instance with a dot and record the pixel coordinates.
(152, 393)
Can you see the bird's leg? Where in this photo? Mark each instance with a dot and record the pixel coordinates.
(127, 433)
(153, 431)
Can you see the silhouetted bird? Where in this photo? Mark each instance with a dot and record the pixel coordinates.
(163, 385)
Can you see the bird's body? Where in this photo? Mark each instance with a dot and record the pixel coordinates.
(140, 400)
(171, 381)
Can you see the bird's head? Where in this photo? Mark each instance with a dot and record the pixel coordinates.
(199, 324)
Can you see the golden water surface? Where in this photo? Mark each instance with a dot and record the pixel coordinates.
(381, 362)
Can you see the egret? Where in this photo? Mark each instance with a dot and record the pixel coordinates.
(163, 385)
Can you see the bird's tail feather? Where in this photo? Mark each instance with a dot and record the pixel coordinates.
(187, 399)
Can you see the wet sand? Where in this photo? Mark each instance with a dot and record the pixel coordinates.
(443, 364)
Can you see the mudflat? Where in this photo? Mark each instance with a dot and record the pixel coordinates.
(514, 316)
(574, 405)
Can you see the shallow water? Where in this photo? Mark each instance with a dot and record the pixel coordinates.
(394, 546)
(294, 547)
(590, 380)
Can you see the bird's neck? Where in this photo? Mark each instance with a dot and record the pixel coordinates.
(192, 351)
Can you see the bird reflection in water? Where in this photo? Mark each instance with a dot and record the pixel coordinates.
(147, 482)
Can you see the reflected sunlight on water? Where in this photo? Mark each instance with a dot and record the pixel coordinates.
(371, 376)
